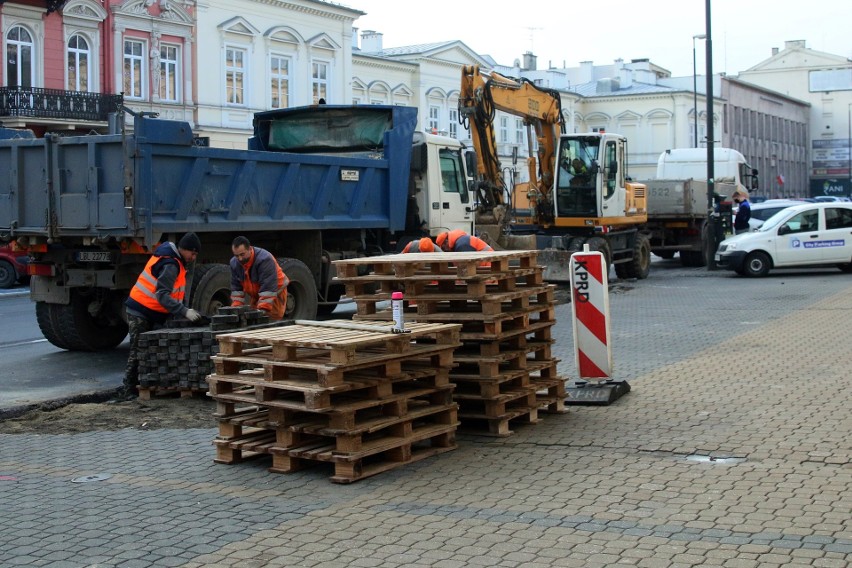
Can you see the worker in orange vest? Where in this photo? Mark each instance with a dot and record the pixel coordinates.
(257, 280)
(421, 245)
(459, 241)
(158, 295)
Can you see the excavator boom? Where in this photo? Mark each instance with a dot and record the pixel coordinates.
(541, 109)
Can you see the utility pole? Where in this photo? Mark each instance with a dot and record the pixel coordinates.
(714, 223)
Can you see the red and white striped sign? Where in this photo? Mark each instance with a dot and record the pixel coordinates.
(590, 307)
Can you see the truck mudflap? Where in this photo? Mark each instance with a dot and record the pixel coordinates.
(557, 264)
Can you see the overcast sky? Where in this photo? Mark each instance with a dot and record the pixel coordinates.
(743, 31)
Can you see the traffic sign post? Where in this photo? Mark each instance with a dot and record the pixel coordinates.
(592, 345)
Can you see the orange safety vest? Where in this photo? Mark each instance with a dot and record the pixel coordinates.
(274, 302)
(459, 241)
(145, 290)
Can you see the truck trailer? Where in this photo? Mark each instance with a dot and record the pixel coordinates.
(315, 184)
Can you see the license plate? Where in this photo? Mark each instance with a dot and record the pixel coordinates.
(718, 257)
(94, 256)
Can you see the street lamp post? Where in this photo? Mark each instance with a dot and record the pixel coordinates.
(695, 87)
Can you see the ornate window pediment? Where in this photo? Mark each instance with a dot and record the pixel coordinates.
(284, 35)
(323, 41)
(84, 9)
(239, 26)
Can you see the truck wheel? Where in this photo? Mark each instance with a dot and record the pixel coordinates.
(46, 318)
(302, 291)
(640, 266)
(211, 288)
(757, 264)
(91, 322)
(8, 275)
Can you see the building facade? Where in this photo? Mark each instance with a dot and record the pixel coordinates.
(825, 81)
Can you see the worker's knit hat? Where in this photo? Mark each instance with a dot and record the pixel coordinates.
(190, 241)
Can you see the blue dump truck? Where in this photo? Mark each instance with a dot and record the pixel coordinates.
(315, 184)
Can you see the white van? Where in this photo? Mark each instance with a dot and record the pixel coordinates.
(810, 234)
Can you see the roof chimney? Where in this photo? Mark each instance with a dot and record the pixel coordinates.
(586, 71)
(530, 61)
(371, 41)
(354, 38)
(774, 51)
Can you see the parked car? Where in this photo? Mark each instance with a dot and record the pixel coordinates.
(827, 198)
(762, 211)
(13, 266)
(808, 234)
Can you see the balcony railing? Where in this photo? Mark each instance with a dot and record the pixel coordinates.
(57, 104)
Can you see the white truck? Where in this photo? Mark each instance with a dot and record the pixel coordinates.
(678, 205)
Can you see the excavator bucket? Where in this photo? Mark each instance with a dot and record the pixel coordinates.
(557, 264)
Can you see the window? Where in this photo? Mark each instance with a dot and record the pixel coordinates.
(235, 75)
(611, 165)
(838, 218)
(452, 180)
(169, 76)
(504, 129)
(19, 58)
(454, 122)
(801, 223)
(279, 73)
(434, 118)
(134, 70)
(519, 131)
(78, 64)
(319, 80)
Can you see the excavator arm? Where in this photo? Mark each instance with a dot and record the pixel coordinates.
(541, 109)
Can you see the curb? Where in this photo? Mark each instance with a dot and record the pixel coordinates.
(47, 406)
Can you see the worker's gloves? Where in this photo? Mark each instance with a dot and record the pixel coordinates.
(192, 315)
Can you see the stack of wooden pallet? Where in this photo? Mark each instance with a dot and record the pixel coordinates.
(506, 371)
(356, 395)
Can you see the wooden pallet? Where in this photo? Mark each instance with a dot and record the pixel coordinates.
(147, 393)
(335, 343)
(375, 456)
(461, 265)
(550, 395)
(487, 304)
(498, 425)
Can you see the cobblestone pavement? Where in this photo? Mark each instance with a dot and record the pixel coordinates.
(720, 366)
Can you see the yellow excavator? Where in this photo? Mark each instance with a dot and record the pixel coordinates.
(578, 191)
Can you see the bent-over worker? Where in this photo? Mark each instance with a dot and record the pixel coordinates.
(257, 280)
(421, 245)
(158, 295)
(459, 241)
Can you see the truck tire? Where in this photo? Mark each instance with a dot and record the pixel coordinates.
(91, 322)
(8, 275)
(302, 291)
(211, 288)
(640, 265)
(46, 318)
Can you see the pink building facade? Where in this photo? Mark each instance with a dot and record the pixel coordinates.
(71, 63)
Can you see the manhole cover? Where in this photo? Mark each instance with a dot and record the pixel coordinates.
(713, 459)
(89, 478)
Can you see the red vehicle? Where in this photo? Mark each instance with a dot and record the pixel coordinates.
(13, 266)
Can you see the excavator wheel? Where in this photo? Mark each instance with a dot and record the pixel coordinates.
(600, 244)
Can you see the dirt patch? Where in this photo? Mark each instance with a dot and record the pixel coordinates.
(196, 412)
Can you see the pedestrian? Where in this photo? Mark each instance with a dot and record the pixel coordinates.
(257, 280)
(157, 296)
(421, 245)
(743, 212)
(459, 241)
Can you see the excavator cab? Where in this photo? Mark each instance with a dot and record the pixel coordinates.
(576, 195)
